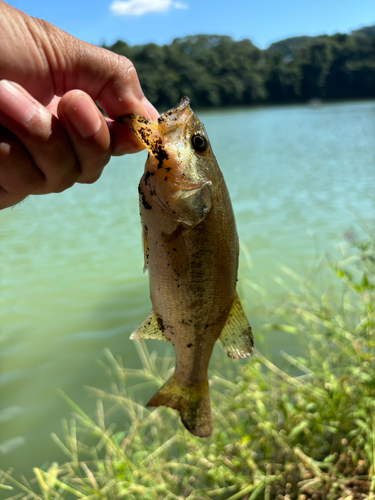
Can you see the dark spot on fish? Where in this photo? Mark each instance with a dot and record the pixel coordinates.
(159, 152)
(142, 119)
(143, 132)
(167, 169)
(189, 345)
(165, 178)
(160, 323)
(206, 326)
(147, 175)
(145, 228)
(175, 249)
(144, 202)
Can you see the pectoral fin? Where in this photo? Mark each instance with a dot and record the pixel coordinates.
(236, 337)
(151, 328)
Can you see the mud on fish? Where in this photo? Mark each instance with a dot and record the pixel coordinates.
(191, 252)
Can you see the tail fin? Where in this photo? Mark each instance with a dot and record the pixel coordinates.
(193, 403)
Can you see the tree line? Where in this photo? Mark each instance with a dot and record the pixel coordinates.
(217, 71)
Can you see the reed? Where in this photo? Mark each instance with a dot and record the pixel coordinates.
(302, 430)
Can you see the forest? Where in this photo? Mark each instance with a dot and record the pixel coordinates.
(217, 71)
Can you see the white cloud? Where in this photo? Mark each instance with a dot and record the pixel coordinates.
(140, 7)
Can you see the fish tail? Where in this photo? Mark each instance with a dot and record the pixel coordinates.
(192, 402)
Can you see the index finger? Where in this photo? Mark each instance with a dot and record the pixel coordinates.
(108, 78)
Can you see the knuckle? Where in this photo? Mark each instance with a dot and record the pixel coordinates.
(130, 69)
(127, 74)
(124, 64)
(131, 77)
(40, 126)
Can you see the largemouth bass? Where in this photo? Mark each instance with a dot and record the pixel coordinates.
(191, 251)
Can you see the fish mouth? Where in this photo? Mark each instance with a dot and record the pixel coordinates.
(169, 127)
(177, 111)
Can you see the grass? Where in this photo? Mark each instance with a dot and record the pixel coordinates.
(306, 431)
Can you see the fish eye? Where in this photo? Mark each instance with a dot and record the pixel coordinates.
(199, 142)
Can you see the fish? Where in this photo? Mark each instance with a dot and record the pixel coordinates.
(191, 252)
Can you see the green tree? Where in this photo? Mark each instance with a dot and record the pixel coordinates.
(215, 70)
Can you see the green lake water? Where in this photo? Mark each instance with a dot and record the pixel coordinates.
(71, 263)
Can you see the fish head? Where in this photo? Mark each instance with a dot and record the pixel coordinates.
(181, 166)
(176, 137)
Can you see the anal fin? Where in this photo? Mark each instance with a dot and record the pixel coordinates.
(236, 337)
(149, 329)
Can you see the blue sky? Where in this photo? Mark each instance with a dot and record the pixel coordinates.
(160, 21)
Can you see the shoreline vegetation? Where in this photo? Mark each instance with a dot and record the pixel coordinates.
(216, 71)
(304, 430)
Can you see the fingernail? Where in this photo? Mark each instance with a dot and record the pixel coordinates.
(83, 115)
(16, 103)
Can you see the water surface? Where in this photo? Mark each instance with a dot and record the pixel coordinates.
(71, 264)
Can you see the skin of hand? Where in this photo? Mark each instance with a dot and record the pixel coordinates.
(51, 133)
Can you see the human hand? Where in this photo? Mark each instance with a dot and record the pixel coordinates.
(51, 133)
